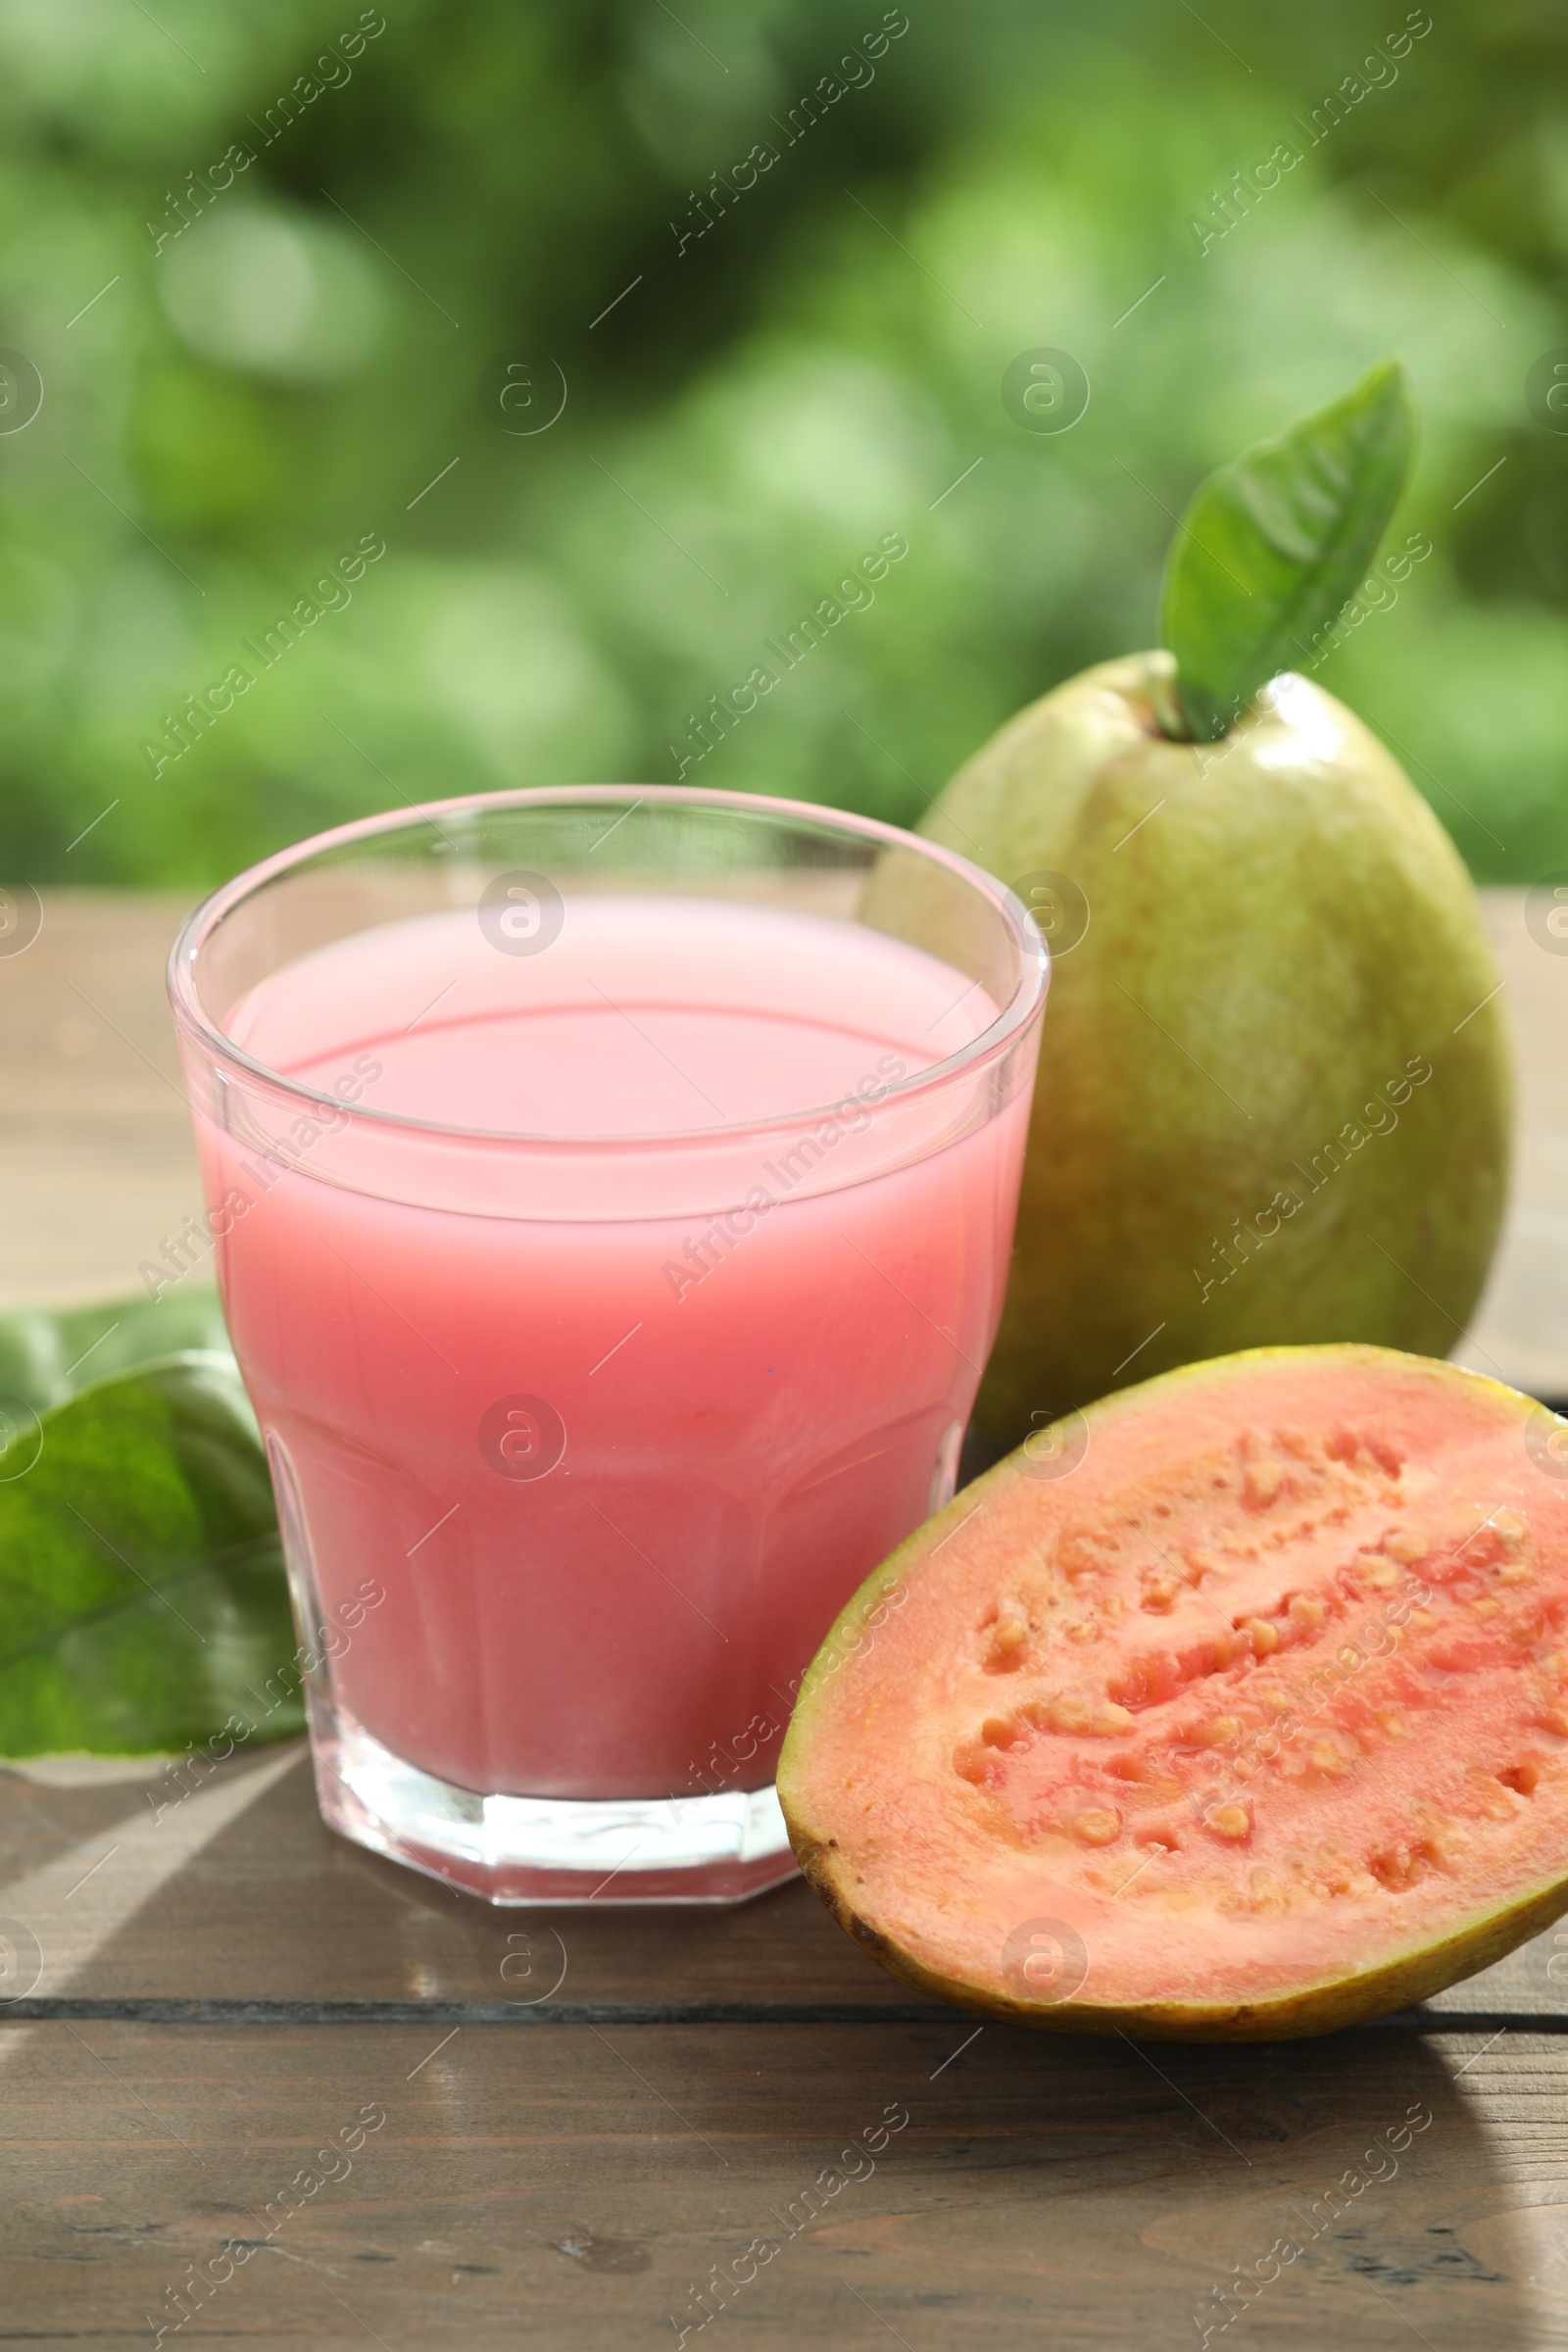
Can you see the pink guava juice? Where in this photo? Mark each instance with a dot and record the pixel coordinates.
(616, 1415)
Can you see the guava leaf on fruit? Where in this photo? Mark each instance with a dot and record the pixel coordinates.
(1272, 548)
(142, 1589)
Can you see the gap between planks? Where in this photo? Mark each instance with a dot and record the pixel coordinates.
(163, 2011)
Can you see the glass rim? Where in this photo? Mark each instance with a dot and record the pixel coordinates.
(1012, 1021)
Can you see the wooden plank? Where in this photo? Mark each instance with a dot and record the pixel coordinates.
(1520, 1333)
(97, 1161)
(577, 2184)
(240, 1894)
(581, 2185)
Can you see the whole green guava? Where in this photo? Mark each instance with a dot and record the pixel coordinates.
(1273, 1098)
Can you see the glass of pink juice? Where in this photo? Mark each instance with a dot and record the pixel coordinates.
(611, 1192)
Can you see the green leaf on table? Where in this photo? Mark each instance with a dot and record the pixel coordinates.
(1272, 548)
(142, 1594)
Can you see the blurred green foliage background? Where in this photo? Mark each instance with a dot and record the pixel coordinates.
(227, 409)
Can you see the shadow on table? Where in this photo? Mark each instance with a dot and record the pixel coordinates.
(1127, 2182)
(236, 1896)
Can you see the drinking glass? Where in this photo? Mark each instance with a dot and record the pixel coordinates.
(611, 1191)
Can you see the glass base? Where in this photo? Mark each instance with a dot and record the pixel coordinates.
(547, 1849)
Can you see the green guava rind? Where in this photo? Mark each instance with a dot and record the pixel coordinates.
(1324, 2007)
(1279, 929)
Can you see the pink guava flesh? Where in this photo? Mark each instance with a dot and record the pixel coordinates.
(1248, 1689)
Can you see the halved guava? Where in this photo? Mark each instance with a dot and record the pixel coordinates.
(1233, 1708)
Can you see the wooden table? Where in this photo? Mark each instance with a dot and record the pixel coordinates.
(422, 2122)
